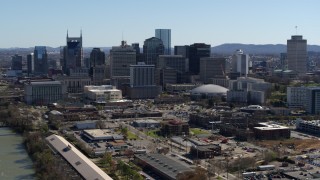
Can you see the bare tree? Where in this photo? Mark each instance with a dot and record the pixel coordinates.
(197, 174)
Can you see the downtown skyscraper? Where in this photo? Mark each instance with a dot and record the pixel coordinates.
(297, 54)
(97, 66)
(197, 51)
(152, 48)
(40, 60)
(165, 36)
(72, 54)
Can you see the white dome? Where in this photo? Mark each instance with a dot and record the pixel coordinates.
(211, 89)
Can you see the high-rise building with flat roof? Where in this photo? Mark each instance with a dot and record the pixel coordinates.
(121, 57)
(139, 57)
(72, 56)
(30, 64)
(141, 75)
(97, 66)
(40, 60)
(197, 51)
(16, 62)
(43, 93)
(211, 67)
(152, 48)
(177, 62)
(283, 61)
(313, 100)
(142, 82)
(182, 50)
(240, 63)
(297, 54)
(165, 36)
(97, 57)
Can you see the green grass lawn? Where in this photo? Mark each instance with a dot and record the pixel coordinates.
(197, 131)
(132, 136)
(153, 133)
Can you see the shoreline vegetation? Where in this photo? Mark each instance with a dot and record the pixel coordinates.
(21, 119)
(21, 122)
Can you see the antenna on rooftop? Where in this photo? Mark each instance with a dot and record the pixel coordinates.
(122, 35)
(296, 30)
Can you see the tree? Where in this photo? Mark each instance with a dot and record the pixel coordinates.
(100, 124)
(269, 156)
(124, 132)
(129, 153)
(44, 128)
(197, 174)
(242, 164)
(107, 162)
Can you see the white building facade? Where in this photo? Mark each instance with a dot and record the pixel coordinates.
(102, 94)
(43, 93)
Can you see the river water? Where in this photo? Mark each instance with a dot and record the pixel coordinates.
(15, 163)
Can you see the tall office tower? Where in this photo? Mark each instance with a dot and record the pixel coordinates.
(283, 61)
(211, 67)
(141, 75)
(16, 62)
(142, 82)
(40, 60)
(165, 36)
(97, 66)
(313, 100)
(139, 57)
(177, 62)
(121, 57)
(52, 64)
(297, 54)
(136, 47)
(240, 63)
(152, 48)
(72, 54)
(182, 50)
(97, 57)
(197, 51)
(86, 62)
(30, 64)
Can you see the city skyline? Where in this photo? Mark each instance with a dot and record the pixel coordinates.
(106, 23)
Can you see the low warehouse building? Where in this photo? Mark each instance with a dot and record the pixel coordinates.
(84, 166)
(95, 135)
(163, 166)
(148, 123)
(271, 131)
(86, 125)
(205, 151)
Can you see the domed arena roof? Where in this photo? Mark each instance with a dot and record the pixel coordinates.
(209, 89)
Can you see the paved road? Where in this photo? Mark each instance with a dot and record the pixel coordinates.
(173, 149)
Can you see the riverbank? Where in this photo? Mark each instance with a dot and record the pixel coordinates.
(15, 162)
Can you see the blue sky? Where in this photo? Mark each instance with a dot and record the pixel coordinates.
(26, 23)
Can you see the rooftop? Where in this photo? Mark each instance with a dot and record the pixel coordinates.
(209, 89)
(313, 122)
(85, 167)
(46, 83)
(147, 121)
(164, 164)
(268, 126)
(98, 133)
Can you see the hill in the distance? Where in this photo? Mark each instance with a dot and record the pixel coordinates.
(257, 49)
(229, 48)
